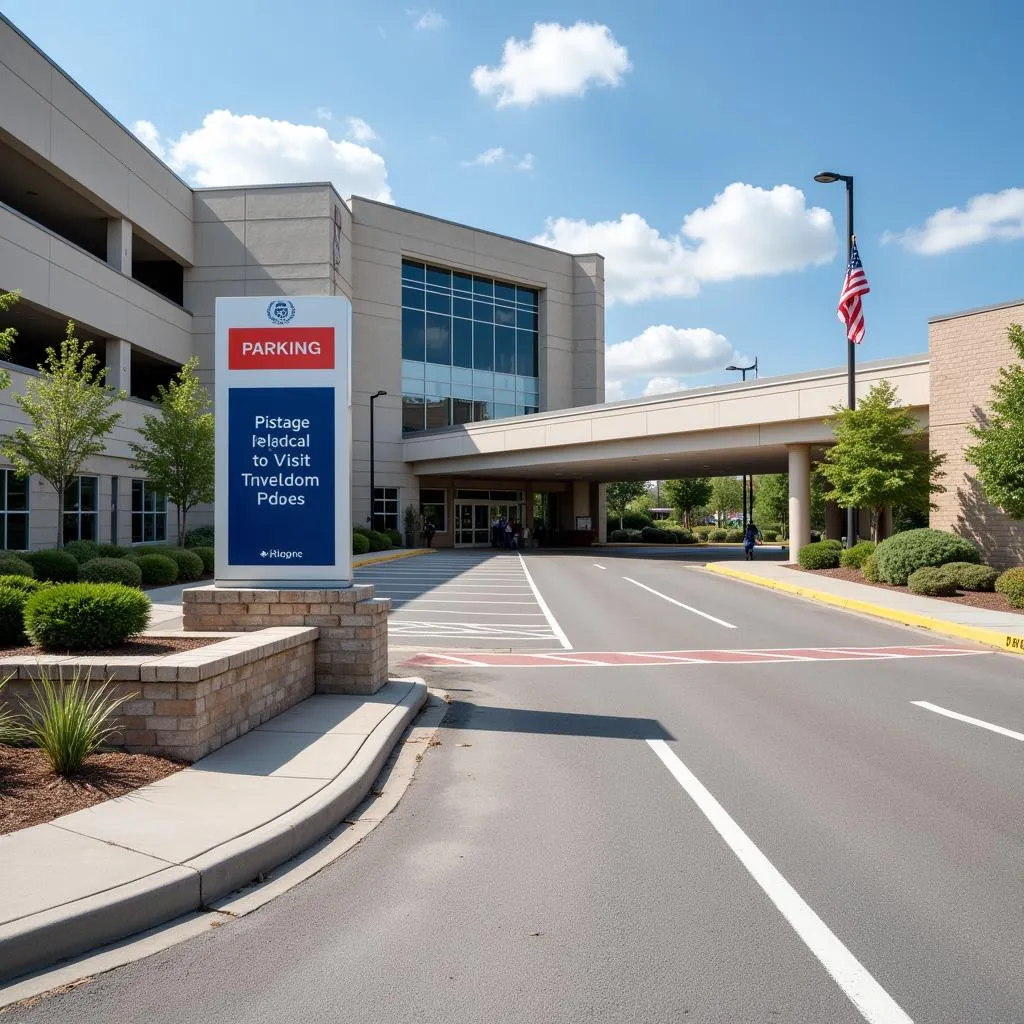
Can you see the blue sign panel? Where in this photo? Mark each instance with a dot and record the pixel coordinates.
(281, 486)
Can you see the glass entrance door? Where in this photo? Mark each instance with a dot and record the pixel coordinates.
(472, 525)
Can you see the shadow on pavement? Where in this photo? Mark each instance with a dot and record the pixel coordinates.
(467, 715)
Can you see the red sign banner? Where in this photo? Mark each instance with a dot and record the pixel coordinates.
(280, 348)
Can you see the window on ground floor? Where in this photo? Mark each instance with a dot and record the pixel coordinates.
(82, 509)
(149, 513)
(434, 508)
(13, 511)
(385, 508)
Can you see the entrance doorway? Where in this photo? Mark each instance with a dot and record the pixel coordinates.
(476, 510)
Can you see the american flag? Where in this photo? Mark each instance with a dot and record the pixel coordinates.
(851, 312)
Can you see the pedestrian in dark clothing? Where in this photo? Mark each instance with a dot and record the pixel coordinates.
(751, 536)
(428, 532)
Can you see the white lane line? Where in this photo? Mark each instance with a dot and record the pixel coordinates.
(672, 600)
(596, 566)
(970, 721)
(438, 600)
(552, 621)
(460, 661)
(873, 1002)
(499, 614)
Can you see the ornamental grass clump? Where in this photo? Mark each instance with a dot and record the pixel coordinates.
(67, 721)
(82, 616)
(12, 729)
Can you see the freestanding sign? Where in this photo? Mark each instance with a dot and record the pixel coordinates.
(283, 413)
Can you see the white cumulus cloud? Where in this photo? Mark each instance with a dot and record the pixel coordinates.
(500, 155)
(324, 114)
(555, 61)
(663, 386)
(746, 231)
(986, 217)
(360, 131)
(429, 20)
(244, 149)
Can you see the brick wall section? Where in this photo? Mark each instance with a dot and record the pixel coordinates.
(966, 353)
(352, 653)
(188, 704)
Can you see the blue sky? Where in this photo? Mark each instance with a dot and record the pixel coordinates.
(680, 138)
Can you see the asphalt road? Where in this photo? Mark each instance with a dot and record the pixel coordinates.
(799, 839)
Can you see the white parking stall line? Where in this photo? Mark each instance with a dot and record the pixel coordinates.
(672, 600)
(456, 611)
(597, 566)
(441, 600)
(552, 621)
(860, 987)
(969, 720)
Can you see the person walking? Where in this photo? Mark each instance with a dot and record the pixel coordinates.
(428, 532)
(751, 536)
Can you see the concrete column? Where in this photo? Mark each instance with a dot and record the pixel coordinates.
(799, 498)
(119, 244)
(602, 514)
(119, 364)
(580, 501)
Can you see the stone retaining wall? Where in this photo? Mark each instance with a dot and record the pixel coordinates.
(188, 704)
(352, 654)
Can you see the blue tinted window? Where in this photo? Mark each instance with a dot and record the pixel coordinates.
(462, 282)
(412, 297)
(526, 297)
(526, 353)
(438, 303)
(461, 376)
(504, 350)
(412, 412)
(439, 372)
(502, 411)
(412, 370)
(483, 286)
(484, 312)
(482, 379)
(504, 315)
(412, 271)
(462, 307)
(413, 335)
(462, 410)
(462, 342)
(483, 346)
(439, 339)
(508, 397)
(526, 319)
(438, 413)
(439, 278)
(504, 292)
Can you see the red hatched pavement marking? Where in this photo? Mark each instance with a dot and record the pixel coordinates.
(612, 659)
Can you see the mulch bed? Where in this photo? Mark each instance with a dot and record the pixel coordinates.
(992, 602)
(143, 647)
(31, 794)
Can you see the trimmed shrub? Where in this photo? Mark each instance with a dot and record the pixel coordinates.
(208, 559)
(1011, 586)
(379, 542)
(969, 576)
(769, 536)
(363, 530)
(823, 554)
(112, 570)
(394, 536)
(82, 551)
(681, 536)
(932, 581)
(360, 543)
(655, 535)
(701, 532)
(855, 557)
(55, 566)
(12, 565)
(733, 536)
(79, 616)
(112, 551)
(190, 565)
(157, 570)
(636, 521)
(199, 537)
(13, 597)
(717, 535)
(618, 536)
(904, 553)
(870, 570)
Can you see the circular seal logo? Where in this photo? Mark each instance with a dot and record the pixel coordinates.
(281, 311)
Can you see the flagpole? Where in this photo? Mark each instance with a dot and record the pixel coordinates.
(851, 354)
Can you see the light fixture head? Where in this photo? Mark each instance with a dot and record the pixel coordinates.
(379, 394)
(732, 367)
(827, 177)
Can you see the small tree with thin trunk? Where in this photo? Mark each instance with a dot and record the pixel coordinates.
(772, 499)
(881, 457)
(726, 497)
(7, 335)
(688, 495)
(619, 495)
(178, 454)
(69, 408)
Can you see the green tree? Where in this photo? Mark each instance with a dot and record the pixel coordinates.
(69, 408)
(642, 503)
(619, 495)
(999, 453)
(688, 495)
(7, 334)
(726, 496)
(771, 498)
(177, 455)
(880, 457)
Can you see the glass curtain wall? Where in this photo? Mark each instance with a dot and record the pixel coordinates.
(469, 348)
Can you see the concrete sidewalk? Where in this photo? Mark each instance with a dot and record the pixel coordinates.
(1004, 630)
(170, 848)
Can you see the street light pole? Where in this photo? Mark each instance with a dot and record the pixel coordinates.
(744, 370)
(373, 488)
(827, 178)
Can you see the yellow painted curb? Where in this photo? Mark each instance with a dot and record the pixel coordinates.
(990, 637)
(394, 556)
